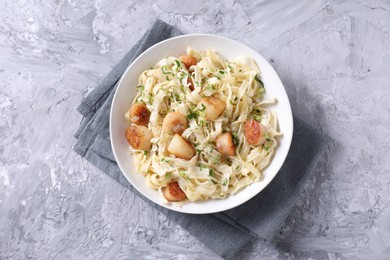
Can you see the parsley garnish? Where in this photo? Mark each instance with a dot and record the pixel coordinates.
(192, 115)
(140, 87)
(168, 174)
(235, 139)
(183, 175)
(210, 86)
(146, 152)
(256, 117)
(222, 72)
(266, 148)
(150, 99)
(165, 160)
(211, 173)
(259, 81)
(165, 70)
(267, 137)
(177, 63)
(216, 159)
(203, 108)
(224, 182)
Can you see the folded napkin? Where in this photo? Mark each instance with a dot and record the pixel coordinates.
(227, 232)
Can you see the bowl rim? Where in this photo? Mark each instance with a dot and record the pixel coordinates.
(288, 140)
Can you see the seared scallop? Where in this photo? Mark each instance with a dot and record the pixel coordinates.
(139, 114)
(213, 107)
(188, 61)
(224, 144)
(175, 122)
(181, 148)
(139, 137)
(255, 132)
(173, 192)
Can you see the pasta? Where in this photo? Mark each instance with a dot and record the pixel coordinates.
(208, 127)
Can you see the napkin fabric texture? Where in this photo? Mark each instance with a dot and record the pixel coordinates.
(227, 232)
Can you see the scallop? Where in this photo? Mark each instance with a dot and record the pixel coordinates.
(255, 132)
(173, 192)
(139, 114)
(181, 148)
(175, 122)
(139, 137)
(213, 107)
(188, 61)
(224, 144)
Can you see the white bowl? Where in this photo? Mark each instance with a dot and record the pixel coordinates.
(229, 49)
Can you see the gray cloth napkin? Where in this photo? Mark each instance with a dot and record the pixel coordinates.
(227, 232)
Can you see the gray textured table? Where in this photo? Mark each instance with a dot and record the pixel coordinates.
(334, 58)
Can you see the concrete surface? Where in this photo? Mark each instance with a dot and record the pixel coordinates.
(333, 56)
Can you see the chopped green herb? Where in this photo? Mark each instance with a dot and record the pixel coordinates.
(151, 67)
(235, 98)
(224, 183)
(165, 160)
(259, 81)
(240, 70)
(230, 67)
(237, 167)
(266, 148)
(210, 86)
(267, 137)
(222, 72)
(216, 159)
(211, 173)
(141, 87)
(213, 181)
(235, 139)
(199, 150)
(203, 108)
(168, 174)
(167, 78)
(165, 70)
(218, 77)
(211, 149)
(256, 117)
(177, 63)
(150, 99)
(192, 115)
(146, 152)
(201, 166)
(183, 175)
(231, 102)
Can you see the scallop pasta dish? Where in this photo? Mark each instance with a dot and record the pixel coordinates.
(199, 126)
